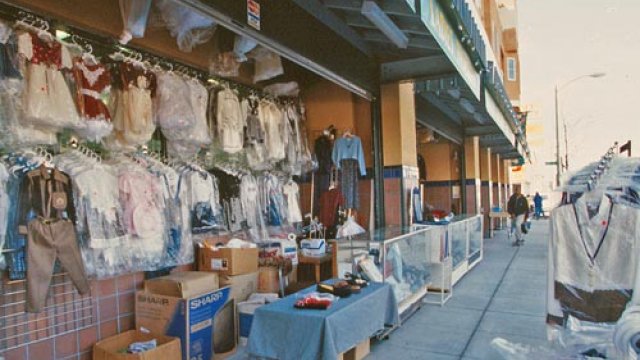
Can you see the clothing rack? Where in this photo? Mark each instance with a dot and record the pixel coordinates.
(602, 167)
(104, 45)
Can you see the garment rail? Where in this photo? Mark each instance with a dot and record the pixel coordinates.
(102, 45)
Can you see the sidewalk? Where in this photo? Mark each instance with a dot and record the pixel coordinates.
(504, 296)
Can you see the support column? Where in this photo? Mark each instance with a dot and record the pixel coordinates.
(472, 175)
(486, 188)
(506, 184)
(399, 149)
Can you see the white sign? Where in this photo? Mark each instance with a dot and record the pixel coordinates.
(253, 14)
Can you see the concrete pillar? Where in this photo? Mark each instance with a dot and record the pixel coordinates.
(472, 168)
(506, 185)
(441, 160)
(486, 196)
(399, 149)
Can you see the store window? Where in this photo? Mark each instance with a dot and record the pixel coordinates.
(511, 69)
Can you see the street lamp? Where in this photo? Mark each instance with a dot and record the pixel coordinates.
(558, 89)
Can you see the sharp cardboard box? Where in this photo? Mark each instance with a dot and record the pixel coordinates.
(168, 348)
(182, 305)
(228, 261)
(242, 286)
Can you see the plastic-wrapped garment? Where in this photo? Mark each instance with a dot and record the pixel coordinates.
(4, 209)
(189, 27)
(173, 110)
(142, 203)
(104, 245)
(135, 14)
(176, 213)
(224, 65)
(93, 83)
(273, 200)
(288, 89)
(47, 98)
(272, 120)
(206, 213)
(291, 192)
(230, 121)
(349, 228)
(267, 64)
(255, 137)
(251, 207)
(579, 340)
(241, 46)
(199, 96)
(592, 262)
(131, 106)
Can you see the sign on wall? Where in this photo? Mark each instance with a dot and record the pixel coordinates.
(253, 14)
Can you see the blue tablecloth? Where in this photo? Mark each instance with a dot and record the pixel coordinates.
(280, 331)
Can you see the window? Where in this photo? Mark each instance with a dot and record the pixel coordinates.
(511, 69)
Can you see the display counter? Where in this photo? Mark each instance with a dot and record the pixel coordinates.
(412, 261)
(465, 236)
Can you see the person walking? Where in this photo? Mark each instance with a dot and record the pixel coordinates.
(518, 208)
(537, 202)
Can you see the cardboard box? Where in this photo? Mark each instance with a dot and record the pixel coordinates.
(184, 284)
(356, 353)
(111, 348)
(242, 286)
(228, 261)
(268, 280)
(187, 312)
(313, 247)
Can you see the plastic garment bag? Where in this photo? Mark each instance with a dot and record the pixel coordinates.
(241, 46)
(189, 27)
(268, 64)
(134, 17)
(349, 228)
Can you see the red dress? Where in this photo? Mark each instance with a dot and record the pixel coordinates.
(93, 82)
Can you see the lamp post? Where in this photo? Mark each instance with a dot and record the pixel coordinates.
(557, 90)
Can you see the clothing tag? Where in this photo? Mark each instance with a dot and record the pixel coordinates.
(59, 200)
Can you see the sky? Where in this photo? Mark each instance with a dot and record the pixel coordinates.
(560, 40)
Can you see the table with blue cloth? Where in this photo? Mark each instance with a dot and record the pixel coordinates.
(281, 331)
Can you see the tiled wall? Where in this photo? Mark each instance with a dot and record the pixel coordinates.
(392, 201)
(113, 312)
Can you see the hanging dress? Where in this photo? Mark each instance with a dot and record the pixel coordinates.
(93, 83)
(47, 99)
(132, 106)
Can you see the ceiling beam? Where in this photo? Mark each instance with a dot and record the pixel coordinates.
(482, 130)
(405, 24)
(416, 68)
(502, 149)
(442, 107)
(332, 21)
(415, 41)
(431, 116)
(395, 7)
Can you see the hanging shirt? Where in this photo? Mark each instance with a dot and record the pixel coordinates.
(291, 192)
(349, 148)
(272, 120)
(593, 259)
(230, 121)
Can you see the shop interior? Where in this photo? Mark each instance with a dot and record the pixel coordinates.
(148, 145)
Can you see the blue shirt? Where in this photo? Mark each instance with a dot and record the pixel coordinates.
(349, 148)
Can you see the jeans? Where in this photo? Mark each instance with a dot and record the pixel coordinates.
(517, 223)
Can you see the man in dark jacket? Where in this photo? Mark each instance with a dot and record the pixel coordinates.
(518, 208)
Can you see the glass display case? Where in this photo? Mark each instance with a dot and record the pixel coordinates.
(465, 237)
(404, 259)
(476, 240)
